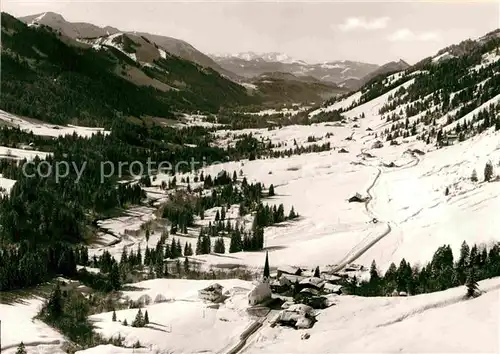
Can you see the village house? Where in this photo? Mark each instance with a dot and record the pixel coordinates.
(354, 268)
(331, 278)
(449, 139)
(296, 316)
(281, 285)
(260, 293)
(312, 283)
(311, 297)
(211, 293)
(332, 289)
(357, 198)
(288, 270)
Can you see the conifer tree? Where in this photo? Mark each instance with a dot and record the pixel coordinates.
(186, 265)
(472, 287)
(114, 316)
(488, 171)
(55, 304)
(473, 177)
(21, 349)
(139, 320)
(125, 323)
(114, 277)
(271, 190)
(463, 262)
(199, 244)
(139, 255)
(235, 245)
(146, 318)
(219, 246)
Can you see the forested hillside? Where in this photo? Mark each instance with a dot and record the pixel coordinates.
(53, 78)
(451, 96)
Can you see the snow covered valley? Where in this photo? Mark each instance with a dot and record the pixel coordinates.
(362, 198)
(415, 217)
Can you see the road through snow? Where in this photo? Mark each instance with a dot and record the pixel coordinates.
(355, 253)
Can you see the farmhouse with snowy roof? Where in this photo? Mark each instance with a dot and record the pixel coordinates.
(211, 293)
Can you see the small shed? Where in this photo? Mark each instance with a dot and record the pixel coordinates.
(357, 198)
(343, 151)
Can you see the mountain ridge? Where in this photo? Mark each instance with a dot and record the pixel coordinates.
(172, 45)
(48, 76)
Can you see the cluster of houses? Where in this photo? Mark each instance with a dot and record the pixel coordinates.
(300, 291)
(305, 286)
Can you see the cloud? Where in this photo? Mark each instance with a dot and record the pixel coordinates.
(355, 23)
(406, 34)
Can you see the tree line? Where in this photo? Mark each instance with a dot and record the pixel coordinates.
(443, 272)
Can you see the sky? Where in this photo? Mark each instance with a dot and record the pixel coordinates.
(314, 31)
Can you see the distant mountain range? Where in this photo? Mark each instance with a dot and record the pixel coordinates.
(268, 57)
(238, 67)
(170, 74)
(344, 73)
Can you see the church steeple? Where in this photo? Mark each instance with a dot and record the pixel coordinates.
(266, 267)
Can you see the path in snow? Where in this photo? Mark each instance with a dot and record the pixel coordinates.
(355, 253)
(252, 330)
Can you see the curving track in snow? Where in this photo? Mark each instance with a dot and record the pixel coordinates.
(355, 253)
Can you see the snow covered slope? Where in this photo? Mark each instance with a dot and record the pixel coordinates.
(442, 322)
(19, 326)
(45, 129)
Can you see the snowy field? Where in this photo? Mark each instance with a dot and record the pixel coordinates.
(439, 322)
(18, 326)
(6, 184)
(406, 194)
(20, 154)
(415, 217)
(184, 323)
